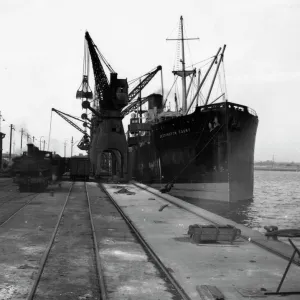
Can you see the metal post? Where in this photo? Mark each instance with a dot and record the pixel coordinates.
(72, 147)
(184, 104)
(162, 83)
(22, 132)
(10, 140)
(65, 145)
(183, 72)
(2, 135)
(212, 84)
(140, 98)
(296, 251)
(199, 77)
(41, 142)
(203, 80)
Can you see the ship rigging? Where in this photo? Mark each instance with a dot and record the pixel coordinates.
(185, 73)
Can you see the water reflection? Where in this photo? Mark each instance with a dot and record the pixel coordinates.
(241, 212)
(276, 202)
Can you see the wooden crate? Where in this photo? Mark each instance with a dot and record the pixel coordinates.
(210, 233)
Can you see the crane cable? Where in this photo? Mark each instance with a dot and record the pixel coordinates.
(170, 184)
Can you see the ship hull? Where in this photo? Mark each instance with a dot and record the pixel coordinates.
(199, 191)
(207, 155)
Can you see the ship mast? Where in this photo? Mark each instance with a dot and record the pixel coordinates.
(184, 104)
(183, 73)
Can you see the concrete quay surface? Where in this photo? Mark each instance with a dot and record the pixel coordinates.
(23, 240)
(242, 270)
(128, 271)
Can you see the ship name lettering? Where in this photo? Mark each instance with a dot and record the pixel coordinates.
(185, 130)
(168, 134)
(180, 131)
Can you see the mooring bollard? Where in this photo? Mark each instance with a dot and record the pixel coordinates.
(270, 232)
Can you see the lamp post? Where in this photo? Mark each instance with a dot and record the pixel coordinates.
(72, 145)
(65, 145)
(10, 140)
(44, 142)
(41, 142)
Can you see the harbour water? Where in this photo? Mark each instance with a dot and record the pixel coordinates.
(276, 202)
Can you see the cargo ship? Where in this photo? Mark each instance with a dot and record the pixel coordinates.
(207, 154)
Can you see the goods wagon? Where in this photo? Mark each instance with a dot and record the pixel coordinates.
(79, 168)
(59, 166)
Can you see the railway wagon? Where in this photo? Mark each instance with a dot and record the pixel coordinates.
(58, 167)
(79, 168)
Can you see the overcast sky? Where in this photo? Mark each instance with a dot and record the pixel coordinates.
(42, 55)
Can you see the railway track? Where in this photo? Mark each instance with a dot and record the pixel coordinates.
(70, 267)
(164, 271)
(13, 196)
(7, 185)
(11, 204)
(5, 182)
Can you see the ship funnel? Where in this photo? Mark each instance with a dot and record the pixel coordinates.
(155, 100)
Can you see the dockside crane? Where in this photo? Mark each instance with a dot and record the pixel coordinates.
(143, 83)
(105, 90)
(84, 143)
(110, 98)
(136, 91)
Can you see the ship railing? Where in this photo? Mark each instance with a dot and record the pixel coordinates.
(234, 105)
(135, 127)
(212, 106)
(243, 108)
(135, 140)
(252, 112)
